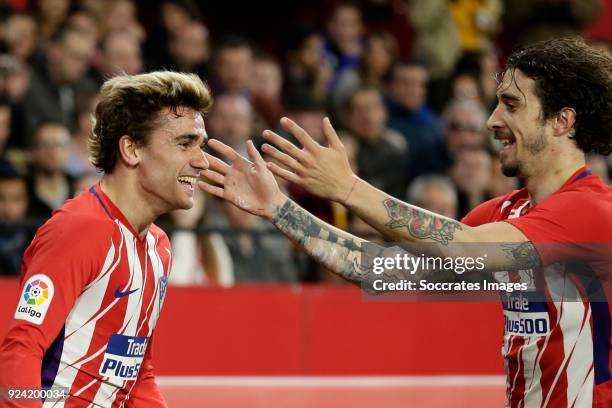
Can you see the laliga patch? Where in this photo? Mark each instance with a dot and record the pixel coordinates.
(35, 299)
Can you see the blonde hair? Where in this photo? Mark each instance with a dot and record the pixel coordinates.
(131, 105)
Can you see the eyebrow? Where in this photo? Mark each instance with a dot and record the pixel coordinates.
(509, 97)
(191, 137)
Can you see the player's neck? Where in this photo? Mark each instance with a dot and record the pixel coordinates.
(551, 174)
(128, 200)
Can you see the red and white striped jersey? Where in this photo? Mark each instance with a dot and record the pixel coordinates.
(557, 341)
(91, 293)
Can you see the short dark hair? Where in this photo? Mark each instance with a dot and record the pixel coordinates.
(570, 74)
(131, 105)
(347, 103)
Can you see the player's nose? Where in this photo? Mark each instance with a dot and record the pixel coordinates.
(200, 162)
(494, 121)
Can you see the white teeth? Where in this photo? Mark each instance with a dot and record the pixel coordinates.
(187, 179)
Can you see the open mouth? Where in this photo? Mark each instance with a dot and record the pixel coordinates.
(506, 140)
(188, 181)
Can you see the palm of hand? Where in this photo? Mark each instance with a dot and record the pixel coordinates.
(249, 186)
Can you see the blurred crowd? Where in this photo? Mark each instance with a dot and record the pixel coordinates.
(409, 93)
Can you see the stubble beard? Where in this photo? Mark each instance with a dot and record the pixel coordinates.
(533, 148)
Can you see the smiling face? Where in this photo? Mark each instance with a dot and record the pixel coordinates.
(170, 163)
(518, 124)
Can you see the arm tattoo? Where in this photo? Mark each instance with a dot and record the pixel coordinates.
(344, 254)
(321, 241)
(523, 255)
(421, 224)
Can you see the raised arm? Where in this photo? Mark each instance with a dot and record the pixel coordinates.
(250, 185)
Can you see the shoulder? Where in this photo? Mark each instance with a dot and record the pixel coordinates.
(160, 236)
(588, 202)
(77, 224)
(493, 209)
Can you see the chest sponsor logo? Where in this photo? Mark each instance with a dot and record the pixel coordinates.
(35, 299)
(123, 357)
(526, 315)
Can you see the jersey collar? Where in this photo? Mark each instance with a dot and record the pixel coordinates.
(111, 209)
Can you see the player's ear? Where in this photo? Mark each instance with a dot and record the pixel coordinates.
(565, 121)
(128, 151)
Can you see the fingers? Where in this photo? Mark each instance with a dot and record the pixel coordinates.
(254, 155)
(285, 174)
(330, 134)
(224, 150)
(214, 176)
(283, 158)
(217, 164)
(300, 134)
(210, 189)
(285, 145)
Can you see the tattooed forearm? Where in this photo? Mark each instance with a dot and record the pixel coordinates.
(523, 255)
(321, 241)
(421, 224)
(347, 255)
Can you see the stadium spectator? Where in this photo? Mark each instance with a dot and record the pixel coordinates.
(231, 120)
(189, 50)
(434, 192)
(20, 35)
(344, 43)
(78, 157)
(308, 73)
(50, 15)
(232, 67)
(122, 15)
(85, 23)
(380, 152)
(437, 44)
(57, 79)
(174, 16)
(409, 113)
(13, 206)
(379, 54)
(120, 55)
(471, 173)
(48, 183)
(463, 126)
(266, 90)
(264, 257)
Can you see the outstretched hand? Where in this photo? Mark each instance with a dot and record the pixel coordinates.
(323, 171)
(248, 184)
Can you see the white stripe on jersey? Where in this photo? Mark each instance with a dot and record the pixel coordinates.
(107, 389)
(158, 272)
(532, 373)
(577, 337)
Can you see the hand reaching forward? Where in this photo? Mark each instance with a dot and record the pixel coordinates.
(248, 184)
(323, 171)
